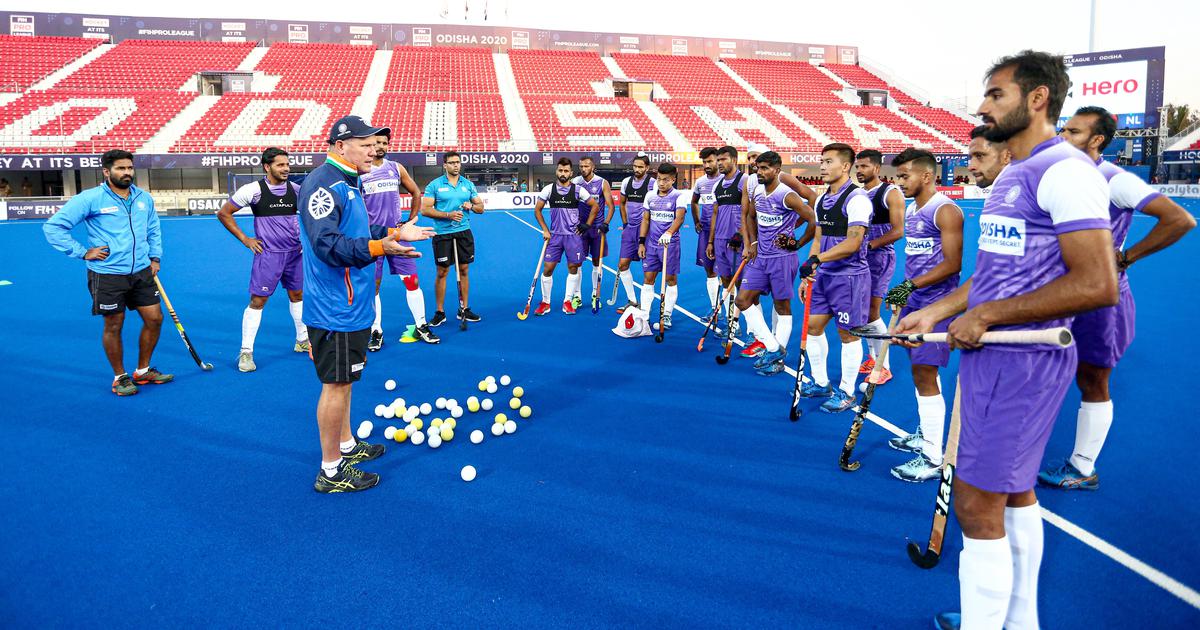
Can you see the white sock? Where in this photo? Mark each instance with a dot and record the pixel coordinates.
(416, 305)
(876, 345)
(818, 350)
(783, 330)
(251, 318)
(932, 412)
(1023, 527)
(141, 371)
(330, 468)
(597, 275)
(985, 582)
(573, 280)
(712, 285)
(774, 317)
(758, 327)
(348, 445)
(627, 282)
(378, 325)
(297, 311)
(672, 295)
(647, 299)
(1091, 428)
(852, 356)
(547, 286)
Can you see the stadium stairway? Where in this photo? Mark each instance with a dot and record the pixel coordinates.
(440, 127)
(665, 126)
(848, 93)
(251, 61)
(377, 76)
(758, 96)
(173, 131)
(55, 77)
(520, 131)
(957, 143)
(804, 125)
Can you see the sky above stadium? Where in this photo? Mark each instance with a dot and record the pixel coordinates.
(941, 47)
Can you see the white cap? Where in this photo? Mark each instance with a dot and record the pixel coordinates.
(757, 148)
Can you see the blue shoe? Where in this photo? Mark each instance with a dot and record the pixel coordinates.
(764, 357)
(1066, 476)
(810, 389)
(917, 469)
(838, 401)
(910, 443)
(947, 621)
(771, 362)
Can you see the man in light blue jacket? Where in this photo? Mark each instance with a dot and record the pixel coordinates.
(124, 245)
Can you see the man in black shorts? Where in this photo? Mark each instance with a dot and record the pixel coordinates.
(122, 254)
(447, 200)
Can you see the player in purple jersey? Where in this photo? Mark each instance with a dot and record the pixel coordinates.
(564, 233)
(593, 238)
(702, 204)
(381, 194)
(725, 239)
(886, 227)
(1104, 334)
(933, 236)
(842, 288)
(988, 158)
(772, 263)
(276, 247)
(662, 217)
(630, 198)
(1045, 255)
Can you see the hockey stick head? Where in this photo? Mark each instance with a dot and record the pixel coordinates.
(658, 338)
(795, 413)
(523, 315)
(722, 358)
(700, 346)
(925, 559)
(850, 466)
(207, 367)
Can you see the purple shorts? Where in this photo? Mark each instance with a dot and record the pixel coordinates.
(882, 264)
(1010, 402)
(568, 245)
(1103, 335)
(270, 268)
(653, 260)
(590, 243)
(775, 276)
(400, 266)
(847, 297)
(727, 259)
(702, 259)
(629, 244)
(937, 354)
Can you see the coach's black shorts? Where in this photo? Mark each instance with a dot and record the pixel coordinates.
(338, 356)
(443, 255)
(112, 293)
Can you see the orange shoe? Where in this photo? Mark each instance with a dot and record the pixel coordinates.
(867, 366)
(885, 375)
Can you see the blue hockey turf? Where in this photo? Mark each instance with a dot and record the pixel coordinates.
(652, 487)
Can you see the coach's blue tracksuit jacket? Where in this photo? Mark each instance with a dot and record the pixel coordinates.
(128, 227)
(339, 289)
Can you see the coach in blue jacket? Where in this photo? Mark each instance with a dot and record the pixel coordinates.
(340, 248)
(122, 254)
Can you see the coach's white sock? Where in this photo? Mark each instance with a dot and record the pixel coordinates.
(852, 356)
(758, 327)
(1023, 526)
(985, 582)
(348, 445)
(251, 317)
(547, 286)
(378, 325)
(783, 330)
(1091, 428)
(416, 305)
(330, 468)
(297, 311)
(672, 295)
(712, 285)
(647, 299)
(932, 412)
(876, 345)
(573, 280)
(818, 350)
(627, 282)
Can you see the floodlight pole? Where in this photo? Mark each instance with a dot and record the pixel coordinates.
(1092, 29)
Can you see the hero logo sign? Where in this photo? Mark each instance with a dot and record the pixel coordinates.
(320, 204)
(1118, 87)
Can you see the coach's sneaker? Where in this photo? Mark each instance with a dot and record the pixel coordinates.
(810, 389)
(246, 361)
(917, 469)
(947, 621)
(425, 334)
(910, 443)
(376, 341)
(754, 351)
(838, 401)
(123, 386)
(437, 319)
(569, 307)
(302, 346)
(1066, 476)
(151, 376)
(467, 314)
(347, 479)
(363, 452)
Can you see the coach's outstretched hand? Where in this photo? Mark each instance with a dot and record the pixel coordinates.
(392, 247)
(412, 232)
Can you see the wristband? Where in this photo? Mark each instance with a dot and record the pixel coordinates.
(754, 242)
(641, 240)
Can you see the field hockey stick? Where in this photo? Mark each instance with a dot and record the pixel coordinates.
(806, 291)
(662, 298)
(462, 318)
(179, 325)
(731, 318)
(600, 278)
(537, 270)
(1052, 336)
(865, 406)
(928, 558)
(616, 284)
(712, 321)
